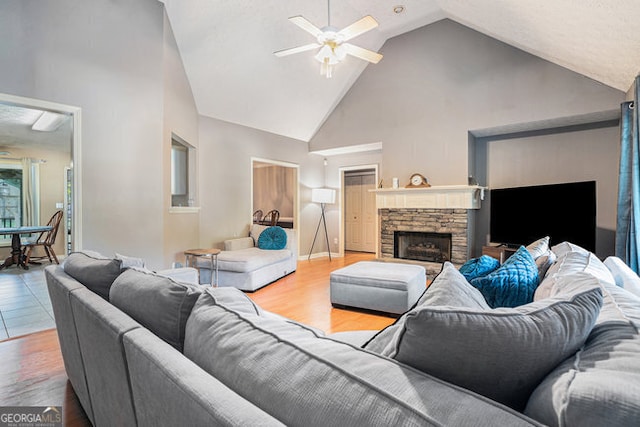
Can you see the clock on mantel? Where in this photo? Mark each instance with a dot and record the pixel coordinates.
(417, 181)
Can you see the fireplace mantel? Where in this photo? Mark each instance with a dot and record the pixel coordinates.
(437, 197)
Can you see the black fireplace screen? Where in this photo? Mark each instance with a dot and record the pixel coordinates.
(422, 246)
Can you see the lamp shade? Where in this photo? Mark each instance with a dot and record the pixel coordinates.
(323, 195)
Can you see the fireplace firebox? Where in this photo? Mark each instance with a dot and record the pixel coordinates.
(422, 246)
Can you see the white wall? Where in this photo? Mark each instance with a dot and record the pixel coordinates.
(107, 58)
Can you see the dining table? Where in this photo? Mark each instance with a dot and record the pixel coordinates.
(16, 245)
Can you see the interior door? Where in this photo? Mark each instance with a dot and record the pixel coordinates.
(353, 213)
(360, 213)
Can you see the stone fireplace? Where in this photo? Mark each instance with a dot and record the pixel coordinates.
(428, 225)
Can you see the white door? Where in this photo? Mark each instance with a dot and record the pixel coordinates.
(360, 213)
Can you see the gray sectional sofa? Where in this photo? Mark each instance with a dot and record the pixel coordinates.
(243, 265)
(154, 351)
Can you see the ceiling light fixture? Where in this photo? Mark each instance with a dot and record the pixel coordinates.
(331, 42)
(48, 122)
(398, 9)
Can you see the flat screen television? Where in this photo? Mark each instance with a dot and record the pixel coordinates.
(564, 212)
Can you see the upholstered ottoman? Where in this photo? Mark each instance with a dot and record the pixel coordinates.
(381, 286)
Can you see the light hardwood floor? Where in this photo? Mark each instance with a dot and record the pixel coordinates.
(32, 370)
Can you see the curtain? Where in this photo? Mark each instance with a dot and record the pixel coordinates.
(628, 216)
(30, 196)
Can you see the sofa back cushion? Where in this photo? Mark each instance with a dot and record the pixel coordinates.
(301, 378)
(568, 263)
(600, 384)
(93, 270)
(502, 353)
(624, 277)
(159, 303)
(448, 288)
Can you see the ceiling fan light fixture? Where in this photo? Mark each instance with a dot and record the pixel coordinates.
(331, 42)
(328, 57)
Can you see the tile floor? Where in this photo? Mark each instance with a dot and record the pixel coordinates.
(24, 302)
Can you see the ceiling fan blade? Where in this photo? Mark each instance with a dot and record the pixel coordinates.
(298, 49)
(359, 27)
(303, 23)
(358, 52)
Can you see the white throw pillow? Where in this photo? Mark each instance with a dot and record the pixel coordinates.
(539, 247)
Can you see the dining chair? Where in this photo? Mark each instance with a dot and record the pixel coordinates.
(257, 216)
(271, 218)
(46, 239)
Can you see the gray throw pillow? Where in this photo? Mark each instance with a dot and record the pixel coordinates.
(157, 302)
(93, 270)
(448, 288)
(502, 353)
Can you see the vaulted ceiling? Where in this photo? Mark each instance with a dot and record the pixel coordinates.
(227, 48)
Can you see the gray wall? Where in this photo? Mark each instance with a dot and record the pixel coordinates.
(107, 58)
(441, 81)
(225, 156)
(181, 230)
(588, 155)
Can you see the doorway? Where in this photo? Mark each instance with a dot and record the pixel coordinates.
(359, 209)
(49, 148)
(274, 186)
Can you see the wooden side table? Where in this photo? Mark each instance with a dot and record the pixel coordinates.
(212, 254)
(501, 253)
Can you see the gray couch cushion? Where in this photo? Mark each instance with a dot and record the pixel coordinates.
(61, 286)
(157, 302)
(170, 390)
(305, 380)
(502, 353)
(600, 384)
(569, 262)
(92, 270)
(448, 288)
(100, 328)
(624, 276)
(250, 259)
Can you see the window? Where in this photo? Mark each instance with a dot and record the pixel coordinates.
(10, 197)
(181, 184)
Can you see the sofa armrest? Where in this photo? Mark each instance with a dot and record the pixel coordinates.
(240, 243)
(182, 274)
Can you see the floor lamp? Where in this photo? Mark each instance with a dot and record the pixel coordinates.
(322, 196)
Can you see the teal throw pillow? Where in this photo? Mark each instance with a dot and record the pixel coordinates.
(478, 267)
(512, 284)
(273, 238)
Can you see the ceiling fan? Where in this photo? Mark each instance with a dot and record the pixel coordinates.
(331, 42)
